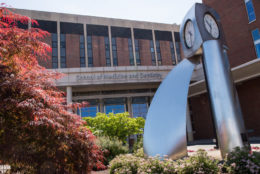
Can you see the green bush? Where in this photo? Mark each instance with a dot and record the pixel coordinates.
(199, 163)
(111, 148)
(119, 125)
(138, 163)
(241, 160)
(123, 164)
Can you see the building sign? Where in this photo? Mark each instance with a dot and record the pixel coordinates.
(119, 76)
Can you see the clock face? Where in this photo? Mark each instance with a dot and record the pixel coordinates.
(211, 26)
(189, 34)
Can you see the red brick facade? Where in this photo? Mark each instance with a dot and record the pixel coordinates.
(72, 50)
(166, 53)
(237, 29)
(98, 46)
(145, 52)
(122, 51)
(249, 97)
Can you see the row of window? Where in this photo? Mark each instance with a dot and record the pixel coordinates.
(255, 33)
(139, 109)
(107, 51)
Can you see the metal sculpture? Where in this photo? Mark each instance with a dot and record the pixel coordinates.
(165, 128)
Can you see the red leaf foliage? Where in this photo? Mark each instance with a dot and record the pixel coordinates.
(36, 130)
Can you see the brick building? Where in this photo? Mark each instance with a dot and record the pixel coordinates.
(116, 65)
(241, 25)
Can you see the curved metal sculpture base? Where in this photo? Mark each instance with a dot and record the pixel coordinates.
(165, 126)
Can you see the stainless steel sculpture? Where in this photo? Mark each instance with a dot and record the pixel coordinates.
(165, 127)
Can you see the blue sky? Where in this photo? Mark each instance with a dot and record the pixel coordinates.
(163, 11)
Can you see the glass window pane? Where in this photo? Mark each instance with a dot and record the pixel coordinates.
(250, 10)
(114, 109)
(89, 39)
(81, 39)
(54, 37)
(82, 53)
(90, 111)
(62, 37)
(54, 44)
(54, 52)
(139, 110)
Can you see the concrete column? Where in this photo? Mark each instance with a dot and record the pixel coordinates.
(110, 45)
(101, 105)
(29, 24)
(188, 124)
(69, 96)
(129, 106)
(86, 43)
(175, 51)
(155, 49)
(133, 44)
(58, 45)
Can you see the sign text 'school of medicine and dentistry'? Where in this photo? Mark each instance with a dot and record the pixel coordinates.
(121, 76)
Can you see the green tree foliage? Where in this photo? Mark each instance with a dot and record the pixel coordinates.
(119, 125)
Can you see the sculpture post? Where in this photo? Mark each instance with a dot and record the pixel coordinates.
(165, 128)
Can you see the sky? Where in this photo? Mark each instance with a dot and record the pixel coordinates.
(162, 11)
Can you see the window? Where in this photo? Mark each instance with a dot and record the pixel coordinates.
(137, 54)
(256, 38)
(178, 51)
(54, 50)
(158, 49)
(82, 51)
(114, 49)
(131, 55)
(107, 51)
(152, 52)
(90, 53)
(90, 111)
(114, 105)
(139, 107)
(172, 53)
(63, 50)
(250, 10)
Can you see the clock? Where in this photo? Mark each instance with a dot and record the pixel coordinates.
(211, 26)
(189, 34)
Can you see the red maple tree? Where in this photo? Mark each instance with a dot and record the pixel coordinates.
(37, 133)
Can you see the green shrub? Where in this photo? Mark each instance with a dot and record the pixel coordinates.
(119, 125)
(111, 148)
(138, 144)
(241, 160)
(123, 164)
(199, 163)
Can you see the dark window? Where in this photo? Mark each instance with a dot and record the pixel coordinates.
(90, 53)
(172, 53)
(139, 107)
(108, 63)
(82, 51)
(256, 38)
(152, 52)
(137, 54)
(63, 50)
(114, 49)
(54, 50)
(177, 45)
(250, 10)
(158, 49)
